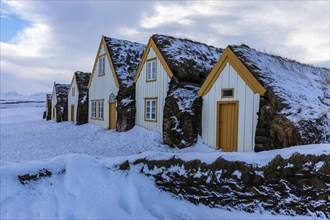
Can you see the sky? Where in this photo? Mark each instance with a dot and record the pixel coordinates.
(46, 41)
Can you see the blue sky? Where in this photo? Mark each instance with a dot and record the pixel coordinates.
(10, 27)
(46, 41)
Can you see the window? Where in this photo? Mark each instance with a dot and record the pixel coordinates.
(100, 109)
(101, 65)
(227, 93)
(151, 70)
(94, 109)
(150, 106)
(73, 91)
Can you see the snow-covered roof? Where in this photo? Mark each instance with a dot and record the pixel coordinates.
(188, 60)
(61, 93)
(82, 80)
(48, 96)
(305, 89)
(126, 57)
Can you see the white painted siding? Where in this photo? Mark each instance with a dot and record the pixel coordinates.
(145, 89)
(248, 107)
(101, 88)
(54, 102)
(73, 100)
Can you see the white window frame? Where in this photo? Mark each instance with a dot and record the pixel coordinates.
(101, 65)
(73, 91)
(93, 113)
(100, 110)
(151, 66)
(150, 106)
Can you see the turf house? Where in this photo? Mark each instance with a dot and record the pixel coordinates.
(111, 87)
(78, 98)
(167, 81)
(258, 101)
(59, 102)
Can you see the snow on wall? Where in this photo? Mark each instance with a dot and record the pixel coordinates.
(248, 106)
(100, 89)
(156, 88)
(186, 97)
(126, 57)
(304, 88)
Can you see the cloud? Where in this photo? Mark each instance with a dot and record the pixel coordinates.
(63, 36)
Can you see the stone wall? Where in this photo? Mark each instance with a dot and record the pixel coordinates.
(274, 130)
(294, 186)
(125, 108)
(181, 126)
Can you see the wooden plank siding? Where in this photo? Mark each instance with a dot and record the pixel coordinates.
(100, 89)
(152, 89)
(248, 103)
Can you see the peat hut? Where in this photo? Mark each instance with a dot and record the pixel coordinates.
(190, 62)
(257, 101)
(125, 57)
(48, 114)
(59, 102)
(78, 98)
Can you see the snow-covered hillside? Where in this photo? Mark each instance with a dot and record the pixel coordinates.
(14, 96)
(85, 180)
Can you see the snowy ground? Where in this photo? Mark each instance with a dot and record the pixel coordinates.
(91, 187)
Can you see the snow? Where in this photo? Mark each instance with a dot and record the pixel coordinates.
(85, 181)
(90, 189)
(304, 88)
(126, 101)
(186, 97)
(126, 57)
(179, 51)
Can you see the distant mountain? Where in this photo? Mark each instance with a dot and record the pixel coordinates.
(10, 94)
(15, 96)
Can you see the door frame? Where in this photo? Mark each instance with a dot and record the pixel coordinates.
(218, 129)
(109, 114)
(72, 115)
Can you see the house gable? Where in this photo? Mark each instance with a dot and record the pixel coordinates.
(229, 57)
(151, 45)
(105, 48)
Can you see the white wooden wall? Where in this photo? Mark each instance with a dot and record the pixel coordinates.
(145, 89)
(101, 88)
(54, 102)
(73, 100)
(247, 113)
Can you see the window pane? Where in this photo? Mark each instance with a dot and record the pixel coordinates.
(154, 70)
(153, 116)
(228, 92)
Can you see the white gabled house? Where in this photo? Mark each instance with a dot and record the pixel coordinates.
(78, 98)
(168, 78)
(257, 101)
(111, 87)
(59, 102)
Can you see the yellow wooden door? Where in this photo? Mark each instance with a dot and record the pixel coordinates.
(112, 115)
(72, 113)
(227, 126)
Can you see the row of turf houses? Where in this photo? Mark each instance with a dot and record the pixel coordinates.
(235, 99)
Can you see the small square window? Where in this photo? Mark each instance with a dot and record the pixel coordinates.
(227, 93)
